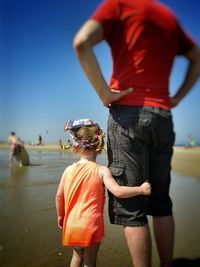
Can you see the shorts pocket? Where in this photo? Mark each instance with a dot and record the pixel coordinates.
(117, 171)
(144, 121)
(145, 118)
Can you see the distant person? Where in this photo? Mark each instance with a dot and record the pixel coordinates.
(80, 197)
(15, 146)
(40, 140)
(60, 143)
(191, 141)
(144, 37)
(69, 144)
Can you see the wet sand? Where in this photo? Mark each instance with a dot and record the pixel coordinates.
(29, 236)
(186, 161)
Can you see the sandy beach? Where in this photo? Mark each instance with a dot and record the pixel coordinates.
(29, 236)
(186, 161)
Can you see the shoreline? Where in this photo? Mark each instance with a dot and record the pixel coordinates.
(27, 199)
(185, 161)
(48, 147)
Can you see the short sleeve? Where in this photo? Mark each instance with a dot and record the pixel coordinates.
(185, 41)
(106, 14)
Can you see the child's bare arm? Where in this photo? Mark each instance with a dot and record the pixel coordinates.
(60, 207)
(122, 191)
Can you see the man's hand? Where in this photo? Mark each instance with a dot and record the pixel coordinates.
(115, 95)
(174, 102)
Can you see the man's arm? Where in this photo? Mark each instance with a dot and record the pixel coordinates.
(90, 34)
(192, 75)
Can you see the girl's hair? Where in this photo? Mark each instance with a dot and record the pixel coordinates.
(91, 135)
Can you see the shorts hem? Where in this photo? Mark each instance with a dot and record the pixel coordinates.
(160, 214)
(131, 224)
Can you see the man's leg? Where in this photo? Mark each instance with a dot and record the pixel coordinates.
(139, 244)
(164, 237)
(160, 203)
(128, 157)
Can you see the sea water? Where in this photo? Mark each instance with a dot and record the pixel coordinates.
(29, 236)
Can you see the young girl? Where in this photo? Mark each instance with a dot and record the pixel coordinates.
(80, 197)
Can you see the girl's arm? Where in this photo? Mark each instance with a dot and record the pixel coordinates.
(122, 191)
(60, 204)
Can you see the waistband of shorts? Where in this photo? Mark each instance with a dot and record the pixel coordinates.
(155, 110)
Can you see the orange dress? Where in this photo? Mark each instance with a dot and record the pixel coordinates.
(84, 196)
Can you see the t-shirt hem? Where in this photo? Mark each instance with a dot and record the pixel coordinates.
(143, 103)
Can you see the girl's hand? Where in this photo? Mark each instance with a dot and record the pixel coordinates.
(60, 222)
(146, 188)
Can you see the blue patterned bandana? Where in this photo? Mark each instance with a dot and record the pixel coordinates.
(73, 125)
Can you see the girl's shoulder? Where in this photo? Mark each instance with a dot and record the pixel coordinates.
(74, 165)
(104, 169)
(68, 168)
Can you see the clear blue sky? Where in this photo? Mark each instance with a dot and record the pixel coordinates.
(41, 82)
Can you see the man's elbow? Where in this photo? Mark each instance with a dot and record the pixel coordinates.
(193, 55)
(79, 43)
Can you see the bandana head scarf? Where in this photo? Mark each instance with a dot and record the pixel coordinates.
(72, 127)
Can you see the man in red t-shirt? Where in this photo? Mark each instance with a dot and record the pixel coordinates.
(144, 37)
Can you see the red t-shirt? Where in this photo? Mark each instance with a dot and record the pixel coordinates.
(144, 37)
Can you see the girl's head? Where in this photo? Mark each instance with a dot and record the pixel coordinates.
(86, 134)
